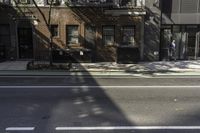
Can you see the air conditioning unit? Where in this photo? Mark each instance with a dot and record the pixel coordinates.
(53, 2)
(93, 1)
(24, 1)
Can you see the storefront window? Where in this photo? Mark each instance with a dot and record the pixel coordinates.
(176, 29)
(189, 6)
(192, 31)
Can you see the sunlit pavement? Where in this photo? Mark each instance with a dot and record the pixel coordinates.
(88, 104)
(167, 66)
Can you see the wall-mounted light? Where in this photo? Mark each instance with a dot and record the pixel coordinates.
(130, 13)
(35, 22)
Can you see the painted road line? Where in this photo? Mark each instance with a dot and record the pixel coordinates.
(20, 128)
(109, 87)
(128, 128)
(129, 76)
(89, 77)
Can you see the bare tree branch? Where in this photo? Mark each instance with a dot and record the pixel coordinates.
(48, 24)
(43, 16)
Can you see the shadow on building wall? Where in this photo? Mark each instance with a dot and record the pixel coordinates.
(152, 35)
(153, 22)
(96, 16)
(93, 17)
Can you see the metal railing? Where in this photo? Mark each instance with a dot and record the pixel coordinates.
(107, 3)
(5, 2)
(90, 2)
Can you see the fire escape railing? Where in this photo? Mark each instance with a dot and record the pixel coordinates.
(108, 3)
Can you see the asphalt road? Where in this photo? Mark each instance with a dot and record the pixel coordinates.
(99, 105)
(95, 80)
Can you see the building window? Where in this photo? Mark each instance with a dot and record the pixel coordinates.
(54, 30)
(127, 3)
(72, 34)
(128, 35)
(189, 6)
(108, 35)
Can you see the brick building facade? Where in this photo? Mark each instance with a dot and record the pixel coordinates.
(87, 33)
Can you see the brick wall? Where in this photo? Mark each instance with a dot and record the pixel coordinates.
(79, 16)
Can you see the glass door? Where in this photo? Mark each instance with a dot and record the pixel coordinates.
(191, 46)
(183, 49)
(197, 49)
(165, 44)
(178, 42)
(181, 40)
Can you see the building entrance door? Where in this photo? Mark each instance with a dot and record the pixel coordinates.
(25, 43)
(5, 43)
(192, 42)
(181, 40)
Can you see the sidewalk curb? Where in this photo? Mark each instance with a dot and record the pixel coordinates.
(93, 73)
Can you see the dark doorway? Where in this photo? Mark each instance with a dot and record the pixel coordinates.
(165, 43)
(4, 41)
(25, 43)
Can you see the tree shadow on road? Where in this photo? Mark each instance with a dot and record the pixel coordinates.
(49, 107)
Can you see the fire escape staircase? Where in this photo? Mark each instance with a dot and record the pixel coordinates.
(101, 8)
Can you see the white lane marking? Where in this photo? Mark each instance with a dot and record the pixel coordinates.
(95, 77)
(103, 87)
(132, 76)
(129, 128)
(20, 128)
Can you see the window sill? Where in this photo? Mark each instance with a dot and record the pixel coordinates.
(73, 45)
(56, 37)
(127, 46)
(111, 45)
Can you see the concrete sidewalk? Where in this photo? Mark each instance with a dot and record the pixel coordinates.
(108, 68)
(13, 65)
(180, 66)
